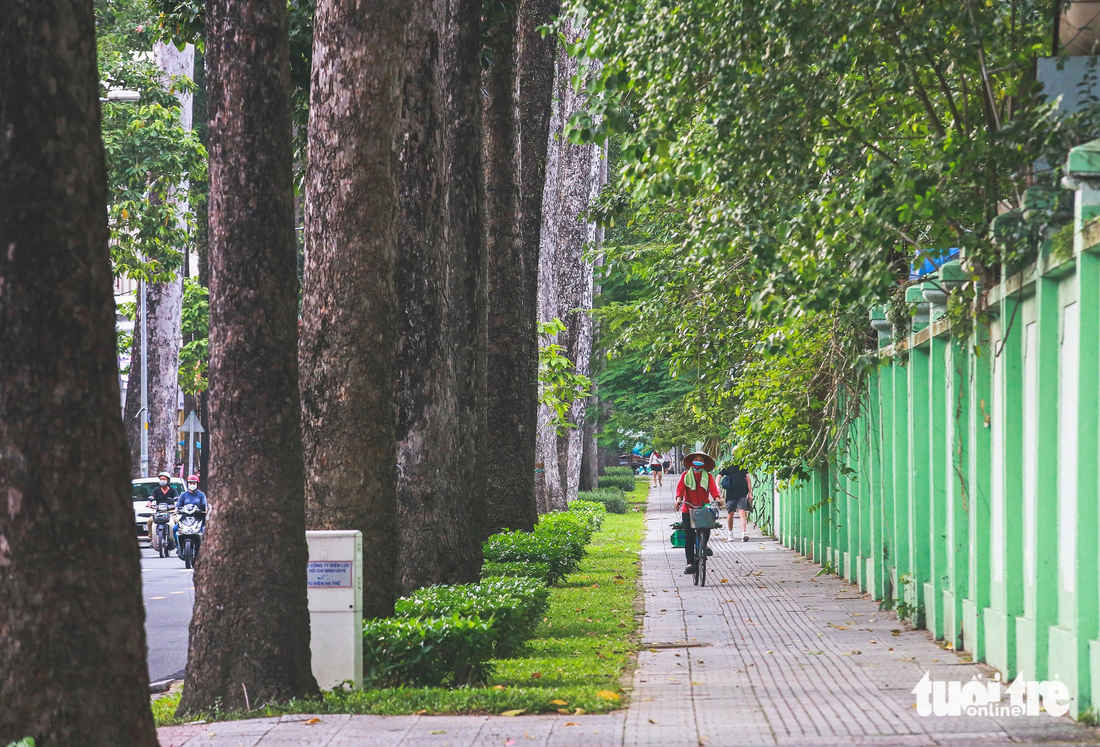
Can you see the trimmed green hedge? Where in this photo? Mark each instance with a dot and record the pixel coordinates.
(515, 570)
(596, 510)
(612, 499)
(511, 607)
(622, 482)
(621, 471)
(451, 651)
(558, 541)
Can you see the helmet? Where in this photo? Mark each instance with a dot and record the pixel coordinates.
(164, 474)
(192, 478)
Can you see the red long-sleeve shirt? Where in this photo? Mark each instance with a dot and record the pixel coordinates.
(697, 496)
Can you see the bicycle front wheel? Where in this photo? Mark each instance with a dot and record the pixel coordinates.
(701, 558)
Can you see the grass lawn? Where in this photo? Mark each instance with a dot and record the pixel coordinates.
(575, 660)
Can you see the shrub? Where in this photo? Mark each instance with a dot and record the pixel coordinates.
(620, 471)
(593, 510)
(577, 526)
(511, 607)
(515, 570)
(623, 482)
(558, 544)
(427, 653)
(611, 498)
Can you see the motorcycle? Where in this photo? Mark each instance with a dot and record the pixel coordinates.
(190, 528)
(162, 522)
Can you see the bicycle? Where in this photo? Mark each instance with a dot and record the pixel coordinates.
(702, 521)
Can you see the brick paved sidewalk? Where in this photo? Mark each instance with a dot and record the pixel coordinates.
(781, 656)
(776, 655)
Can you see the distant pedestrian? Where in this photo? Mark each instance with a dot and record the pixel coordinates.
(737, 483)
(656, 466)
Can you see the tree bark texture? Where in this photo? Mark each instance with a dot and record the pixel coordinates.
(516, 123)
(440, 279)
(72, 641)
(250, 627)
(565, 276)
(348, 351)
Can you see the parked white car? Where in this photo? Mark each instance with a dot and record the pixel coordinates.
(140, 490)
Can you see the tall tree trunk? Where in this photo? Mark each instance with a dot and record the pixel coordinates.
(348, 351)
(250, 627)
(440, 280)
(516, 122)
(131, 414)
(590, 469)
(72, 641)
(565, 277)
(165, 300)
(165, 307)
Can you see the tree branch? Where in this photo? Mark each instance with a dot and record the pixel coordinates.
(960, 125)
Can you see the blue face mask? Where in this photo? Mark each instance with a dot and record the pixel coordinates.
(698, 464)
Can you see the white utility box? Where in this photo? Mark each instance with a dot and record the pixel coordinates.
(335, 584)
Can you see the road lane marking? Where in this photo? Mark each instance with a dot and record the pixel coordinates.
(175, 592)
(151, 598)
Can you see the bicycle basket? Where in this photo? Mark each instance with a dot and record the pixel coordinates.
(703, 518)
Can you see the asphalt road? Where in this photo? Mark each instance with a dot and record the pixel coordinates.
(168, 591)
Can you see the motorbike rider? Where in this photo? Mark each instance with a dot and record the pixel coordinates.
(190, 496)
(163, 493)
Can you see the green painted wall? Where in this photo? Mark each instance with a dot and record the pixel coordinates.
(967, 495)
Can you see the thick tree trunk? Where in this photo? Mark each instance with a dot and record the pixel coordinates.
(349, 306)
(565, 277)
(72, 642)
(250, 627)
(516, 120)
(441, 285)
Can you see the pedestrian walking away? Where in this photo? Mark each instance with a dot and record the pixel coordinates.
(656, 467)
(696, 488)
(737, 483)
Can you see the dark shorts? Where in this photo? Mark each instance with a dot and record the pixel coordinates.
(744, 503)
(655, 467)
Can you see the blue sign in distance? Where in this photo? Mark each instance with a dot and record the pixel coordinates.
(329, 574)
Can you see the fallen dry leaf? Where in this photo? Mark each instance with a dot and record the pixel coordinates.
(579, 712)
(559, 701)
(498, 687)
(516, 712)
(652, 721)
(536, 675)
(437, 731)
(420, 713)
(725, 580)
(607, 695)
(312, 721)
(563, 711)
(570, 723)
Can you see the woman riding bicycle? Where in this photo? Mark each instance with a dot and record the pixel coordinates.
(697, 487)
